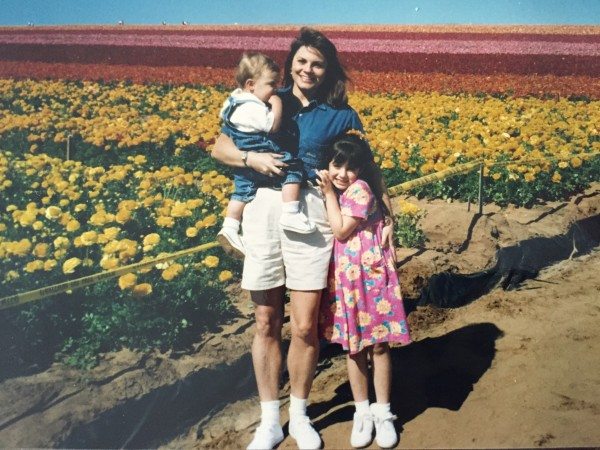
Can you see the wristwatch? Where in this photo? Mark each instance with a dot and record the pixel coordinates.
(245, 158)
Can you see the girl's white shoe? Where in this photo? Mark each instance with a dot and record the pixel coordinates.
(362, 430)
(385, 433)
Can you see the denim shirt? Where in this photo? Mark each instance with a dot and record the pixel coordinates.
(314, 127)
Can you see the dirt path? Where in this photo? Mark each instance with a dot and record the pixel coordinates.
(517, 368)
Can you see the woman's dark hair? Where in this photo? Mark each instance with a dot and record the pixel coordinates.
(333, 88)
(354, 151)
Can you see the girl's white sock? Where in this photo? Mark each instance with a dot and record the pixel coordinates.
(230, 222)
(381, 409)
(291, 207)
(269, 412)
(297, 406)
(362, 407)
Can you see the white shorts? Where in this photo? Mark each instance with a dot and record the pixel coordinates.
(275, 257)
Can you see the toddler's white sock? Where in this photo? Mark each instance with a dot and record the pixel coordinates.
(230, 222)
(269, 412)
(291, 207)
(362, 407)
(297, 406)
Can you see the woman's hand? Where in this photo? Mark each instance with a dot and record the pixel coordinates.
(266, 163)
(324, 182)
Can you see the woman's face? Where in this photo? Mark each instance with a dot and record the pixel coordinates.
(308, 69)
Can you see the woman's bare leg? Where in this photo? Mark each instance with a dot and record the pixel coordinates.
(266, 346)
(304, 345)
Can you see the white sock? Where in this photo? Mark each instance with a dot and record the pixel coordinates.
(362, 407)
(269, 412)
(291, 207)
(381, 409)
(230, 222)
(297, 406)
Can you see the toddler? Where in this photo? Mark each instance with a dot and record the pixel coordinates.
(250, 116)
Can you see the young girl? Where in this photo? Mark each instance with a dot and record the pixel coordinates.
(363, 310)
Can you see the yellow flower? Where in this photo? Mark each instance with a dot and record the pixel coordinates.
(225, 275)
(141, 290)
(70, 264)
(563, 164)
(73, 225)
(575, 162)
(49, 264)
(32, 266)
(172, 271)
(191, 232)
(123, 216)
(109, 262)
(556, 177)
(89, 238)
(53, 212)
(151, 239)
(127, 281)
(211, 261)
(165, 221)
(40, 250)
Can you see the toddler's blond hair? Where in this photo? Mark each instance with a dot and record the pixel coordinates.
(253, 65)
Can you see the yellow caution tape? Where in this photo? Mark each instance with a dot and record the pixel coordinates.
(432, 178)
(25, 297)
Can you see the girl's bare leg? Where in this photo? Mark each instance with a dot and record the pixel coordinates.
(382, 372)
(358, 375)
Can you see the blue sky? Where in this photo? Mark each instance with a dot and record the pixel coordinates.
(64, 12)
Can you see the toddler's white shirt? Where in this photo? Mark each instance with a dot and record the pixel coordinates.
(251, 116)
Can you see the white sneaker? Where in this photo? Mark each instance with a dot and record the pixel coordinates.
(296, 222)
(231, 242)
(303, 432)
(266, 436)
(362, 430)
(385, 433)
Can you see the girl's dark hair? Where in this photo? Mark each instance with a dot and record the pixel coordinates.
(354, 151)
(333, 88)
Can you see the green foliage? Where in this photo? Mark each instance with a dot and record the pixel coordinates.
(408, 232)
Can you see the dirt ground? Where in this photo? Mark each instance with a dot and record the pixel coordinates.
(510, 368)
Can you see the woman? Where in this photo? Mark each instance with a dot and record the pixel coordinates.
(315, 111)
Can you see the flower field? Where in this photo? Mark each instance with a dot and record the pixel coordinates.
(139, 115)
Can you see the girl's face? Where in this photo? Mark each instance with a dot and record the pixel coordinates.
(308, 69)
(342, 176)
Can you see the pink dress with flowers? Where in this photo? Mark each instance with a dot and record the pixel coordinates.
(362, 305)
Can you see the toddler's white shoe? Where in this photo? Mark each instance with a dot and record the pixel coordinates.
(303, 432)
(231, 242)
(266, 436)
(385, 433)
(296, 222)
(362, 430)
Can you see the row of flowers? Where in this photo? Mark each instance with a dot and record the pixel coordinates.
(514, 85)
(441, 129)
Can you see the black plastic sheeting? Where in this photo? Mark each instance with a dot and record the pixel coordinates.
(513, 265)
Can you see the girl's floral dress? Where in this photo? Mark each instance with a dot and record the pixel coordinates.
(362, 304)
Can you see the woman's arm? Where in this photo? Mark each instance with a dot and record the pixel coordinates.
(227, 153)
(341, 225)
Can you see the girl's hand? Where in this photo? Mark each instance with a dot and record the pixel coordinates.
(324, 182)
(266, 163)
(387, 238)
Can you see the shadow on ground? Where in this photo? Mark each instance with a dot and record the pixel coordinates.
(433, 373)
